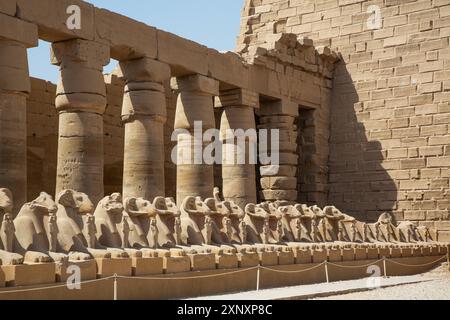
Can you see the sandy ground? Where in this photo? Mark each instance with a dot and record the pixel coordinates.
(432, 285)
(438, 289)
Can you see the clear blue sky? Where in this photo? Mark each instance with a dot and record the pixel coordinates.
(214, 23)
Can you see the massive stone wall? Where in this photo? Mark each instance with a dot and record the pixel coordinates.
(390, 115)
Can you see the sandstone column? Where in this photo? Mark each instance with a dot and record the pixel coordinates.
(144, 115)
(15, 37)
(281, 184)
(81, 102)
(239, 179)
(194, 104)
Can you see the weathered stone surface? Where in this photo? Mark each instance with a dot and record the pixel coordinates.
(8, 7)
(18, 30)
(51, 16)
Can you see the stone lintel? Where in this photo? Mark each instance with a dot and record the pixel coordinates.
(237, 98)
(144, 70)
(94, 54)
(18, 30)
(279, 108)
(197, 83)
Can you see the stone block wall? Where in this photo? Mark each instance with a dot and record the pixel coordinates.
(42, 138)
(390, 114)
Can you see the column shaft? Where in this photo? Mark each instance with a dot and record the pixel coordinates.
(238, 177)
(14, 90)
(144, 116)
(280, 182)
(81, 102)
(194, 104)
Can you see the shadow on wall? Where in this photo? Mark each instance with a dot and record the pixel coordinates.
(359, 183)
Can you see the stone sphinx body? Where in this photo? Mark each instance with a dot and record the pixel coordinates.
(76, 224)
(198, 227)
(37, 231)
(113, 227)
(257, 222)
(7, 230)
(151, 226)
(341, 227)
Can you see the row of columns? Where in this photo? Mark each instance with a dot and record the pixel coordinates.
(81, 102)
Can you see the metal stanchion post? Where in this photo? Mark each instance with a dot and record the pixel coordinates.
(326, 272)
(115, 286)
(384, 267)
(258, 276)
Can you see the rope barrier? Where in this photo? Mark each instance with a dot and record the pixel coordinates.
(187, 278)
(417, 265)
(355, 267)
(296, 271)
(57, 286)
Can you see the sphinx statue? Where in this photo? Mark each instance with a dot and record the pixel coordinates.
(384, 230)
(291, 223)
(275, 224)
(198, 227)
(137, 224)
(7, 230)
(411, 233)
(36, 231)
(258, 225)
(318, 224)
(111, 226)
(341, 227)
(76, 224)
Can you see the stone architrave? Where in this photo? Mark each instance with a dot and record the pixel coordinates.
(80, 102)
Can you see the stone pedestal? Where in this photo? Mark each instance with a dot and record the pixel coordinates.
(88, 270)
(248, 259)
(239, 145)
(14, 89)
(268, 258)
(372, 253)
(81, 102)
(279, 180)
(286, 257)
(194, 114)
(144, 115)
(319, 255)
(334, 255)
(147, 266)
(176, 264)
(303, 256)
(29, 274)
(202, 262)
(348, 254)
(361, 254)
(227, 261)
(109, 267)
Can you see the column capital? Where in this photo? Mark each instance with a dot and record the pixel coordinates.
(237, 98)
(282, 107)
(92, 54)
(18, 30)
(144, 70)
(196, 83)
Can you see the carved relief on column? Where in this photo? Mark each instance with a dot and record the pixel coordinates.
(14, 89)
(239, 149)
(281, 184)
(81, 102)
(144, 115)
(194, 105)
